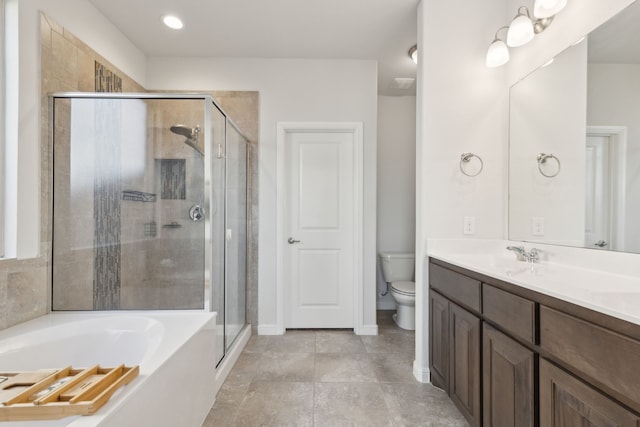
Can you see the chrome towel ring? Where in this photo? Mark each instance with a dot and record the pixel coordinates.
(542, 159)
(465, 159)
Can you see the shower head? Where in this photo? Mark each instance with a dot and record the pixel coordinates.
(186, 131)
(191, 135)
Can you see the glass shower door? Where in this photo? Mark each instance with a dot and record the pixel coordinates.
(128, 189)
(215, 184)
(236, 234)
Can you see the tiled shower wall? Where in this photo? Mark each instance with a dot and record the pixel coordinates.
(68, 64)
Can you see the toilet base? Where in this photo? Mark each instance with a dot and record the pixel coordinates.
(405, 317)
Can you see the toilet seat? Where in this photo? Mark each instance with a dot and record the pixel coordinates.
(404, 288)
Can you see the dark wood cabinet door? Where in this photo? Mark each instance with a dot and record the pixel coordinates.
(568, 402)
(464, 363)
(439, 340)
(508, 369)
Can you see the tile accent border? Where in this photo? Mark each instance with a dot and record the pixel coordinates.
(106, 80)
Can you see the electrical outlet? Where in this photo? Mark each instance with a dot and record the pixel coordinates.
(469, 226)
(537, 226)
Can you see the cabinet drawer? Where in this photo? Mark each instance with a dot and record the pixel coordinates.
(609, 359)
(460, 288)
(513, 313)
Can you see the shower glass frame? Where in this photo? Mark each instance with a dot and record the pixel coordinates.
(212, 153)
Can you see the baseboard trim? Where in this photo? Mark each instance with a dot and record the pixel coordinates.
(270, 330)
(367, 330)
(421, 374)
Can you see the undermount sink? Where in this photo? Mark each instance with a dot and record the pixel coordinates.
(507, 263)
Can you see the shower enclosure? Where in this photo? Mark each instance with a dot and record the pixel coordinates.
(149, 206)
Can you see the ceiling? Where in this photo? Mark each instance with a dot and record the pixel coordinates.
(381, 30)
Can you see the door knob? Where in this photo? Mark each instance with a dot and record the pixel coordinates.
(292, 241)
(601, 243)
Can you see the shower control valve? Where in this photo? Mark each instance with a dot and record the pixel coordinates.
(196, 213)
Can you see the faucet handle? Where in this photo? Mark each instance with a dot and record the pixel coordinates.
(534, 255)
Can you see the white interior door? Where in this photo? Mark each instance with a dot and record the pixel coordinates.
(598, 192)
(319, 230)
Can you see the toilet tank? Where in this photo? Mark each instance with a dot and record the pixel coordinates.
(397, 267)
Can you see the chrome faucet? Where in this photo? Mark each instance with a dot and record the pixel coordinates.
(521, 254)
(532, 256)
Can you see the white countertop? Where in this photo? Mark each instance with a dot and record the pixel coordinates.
(601, 281)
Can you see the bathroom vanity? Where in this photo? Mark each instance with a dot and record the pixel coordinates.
(513, 355)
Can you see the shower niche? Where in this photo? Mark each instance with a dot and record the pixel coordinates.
(149, 206)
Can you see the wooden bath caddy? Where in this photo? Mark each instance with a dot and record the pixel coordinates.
(57, 393)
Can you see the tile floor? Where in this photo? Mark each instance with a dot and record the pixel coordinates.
(330, 378)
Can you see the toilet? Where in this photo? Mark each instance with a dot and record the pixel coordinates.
(397, 270)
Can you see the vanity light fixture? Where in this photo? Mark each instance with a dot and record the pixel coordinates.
(172, 22)
(548, 8)
(413, 53)
(498, 53)
(522, 30)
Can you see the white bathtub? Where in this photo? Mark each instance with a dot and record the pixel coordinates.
(175, 350)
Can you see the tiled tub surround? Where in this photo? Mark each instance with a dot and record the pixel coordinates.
(557, 341)
(606, 282)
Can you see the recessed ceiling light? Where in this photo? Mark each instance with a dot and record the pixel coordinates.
(172, 21)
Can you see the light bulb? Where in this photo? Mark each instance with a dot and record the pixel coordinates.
(498, 54)
(520, 31)
(548, 8)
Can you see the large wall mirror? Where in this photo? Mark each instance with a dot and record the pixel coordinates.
(574, 150)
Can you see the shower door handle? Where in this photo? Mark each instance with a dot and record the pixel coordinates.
(291, 241)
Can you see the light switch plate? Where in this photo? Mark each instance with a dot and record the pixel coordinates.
(469, 225)
(537, 226)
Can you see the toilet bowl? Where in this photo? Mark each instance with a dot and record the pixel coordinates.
(404, 294)
(397, 270)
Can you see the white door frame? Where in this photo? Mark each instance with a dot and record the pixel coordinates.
(618, 167)
(355, 128)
